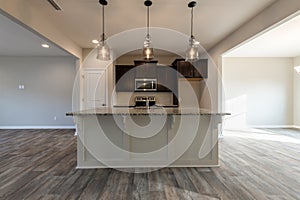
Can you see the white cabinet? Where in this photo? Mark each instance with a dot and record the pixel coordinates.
(94, 88)
(108, 140)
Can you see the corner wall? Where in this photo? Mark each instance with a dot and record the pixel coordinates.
(47, 95)
(296, 94)
(278, 11)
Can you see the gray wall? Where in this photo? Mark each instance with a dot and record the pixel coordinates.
(48, 89)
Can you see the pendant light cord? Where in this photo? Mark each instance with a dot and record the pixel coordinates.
(192, 21)
(103, 50)
(103, 35)
(148, 21)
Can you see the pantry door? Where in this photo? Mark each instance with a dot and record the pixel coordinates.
(95, 88)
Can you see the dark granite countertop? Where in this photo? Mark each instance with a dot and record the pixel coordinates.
(144, 111)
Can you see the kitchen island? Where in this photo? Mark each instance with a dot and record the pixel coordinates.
(147, 137)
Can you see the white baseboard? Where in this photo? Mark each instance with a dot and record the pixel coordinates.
(133, 167)
(37, 127)
(262, 126)
(272, 126)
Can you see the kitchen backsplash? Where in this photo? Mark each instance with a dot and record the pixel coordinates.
(128, 98)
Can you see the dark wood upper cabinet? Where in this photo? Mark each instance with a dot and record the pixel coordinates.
(125, 75)
(185, 69)
(145, 69)
(141, 62)
(201, 68)
(166, 79)
(197, 69)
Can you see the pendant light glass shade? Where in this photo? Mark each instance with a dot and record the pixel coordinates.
(192, 52)
(148, 49)
(103, 50)
(148, 53)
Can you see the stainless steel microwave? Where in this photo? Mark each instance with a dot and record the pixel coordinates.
(145, 84)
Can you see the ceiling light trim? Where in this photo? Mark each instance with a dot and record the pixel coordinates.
(45, 46)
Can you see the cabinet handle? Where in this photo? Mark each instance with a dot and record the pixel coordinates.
(103, 104)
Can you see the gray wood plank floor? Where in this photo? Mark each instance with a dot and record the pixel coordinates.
(40, 164)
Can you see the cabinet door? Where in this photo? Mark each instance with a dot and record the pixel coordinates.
(125, 78)
(200, 69)
(94, 88)
(185, 69)
(146, 70)
(166, 79)
(197, 69)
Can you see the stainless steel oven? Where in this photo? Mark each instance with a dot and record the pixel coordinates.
(145, 84)
(144, 101)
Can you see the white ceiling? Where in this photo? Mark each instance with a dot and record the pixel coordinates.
(282, 41)
(16, 40)
(214, 19)
(80, 21)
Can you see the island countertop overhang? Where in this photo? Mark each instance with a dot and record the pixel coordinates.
(145, 111)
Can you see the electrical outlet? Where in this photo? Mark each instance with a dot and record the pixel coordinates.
(21, 87)
(54, 118)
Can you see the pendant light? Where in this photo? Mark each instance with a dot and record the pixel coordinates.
(148, 49)
(192, 53)
(103, 50)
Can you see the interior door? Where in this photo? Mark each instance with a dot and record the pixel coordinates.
(94, 88)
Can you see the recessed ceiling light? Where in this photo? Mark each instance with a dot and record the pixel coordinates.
(95, 41)
(45, 45)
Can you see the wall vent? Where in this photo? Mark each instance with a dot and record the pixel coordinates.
(55, 5)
